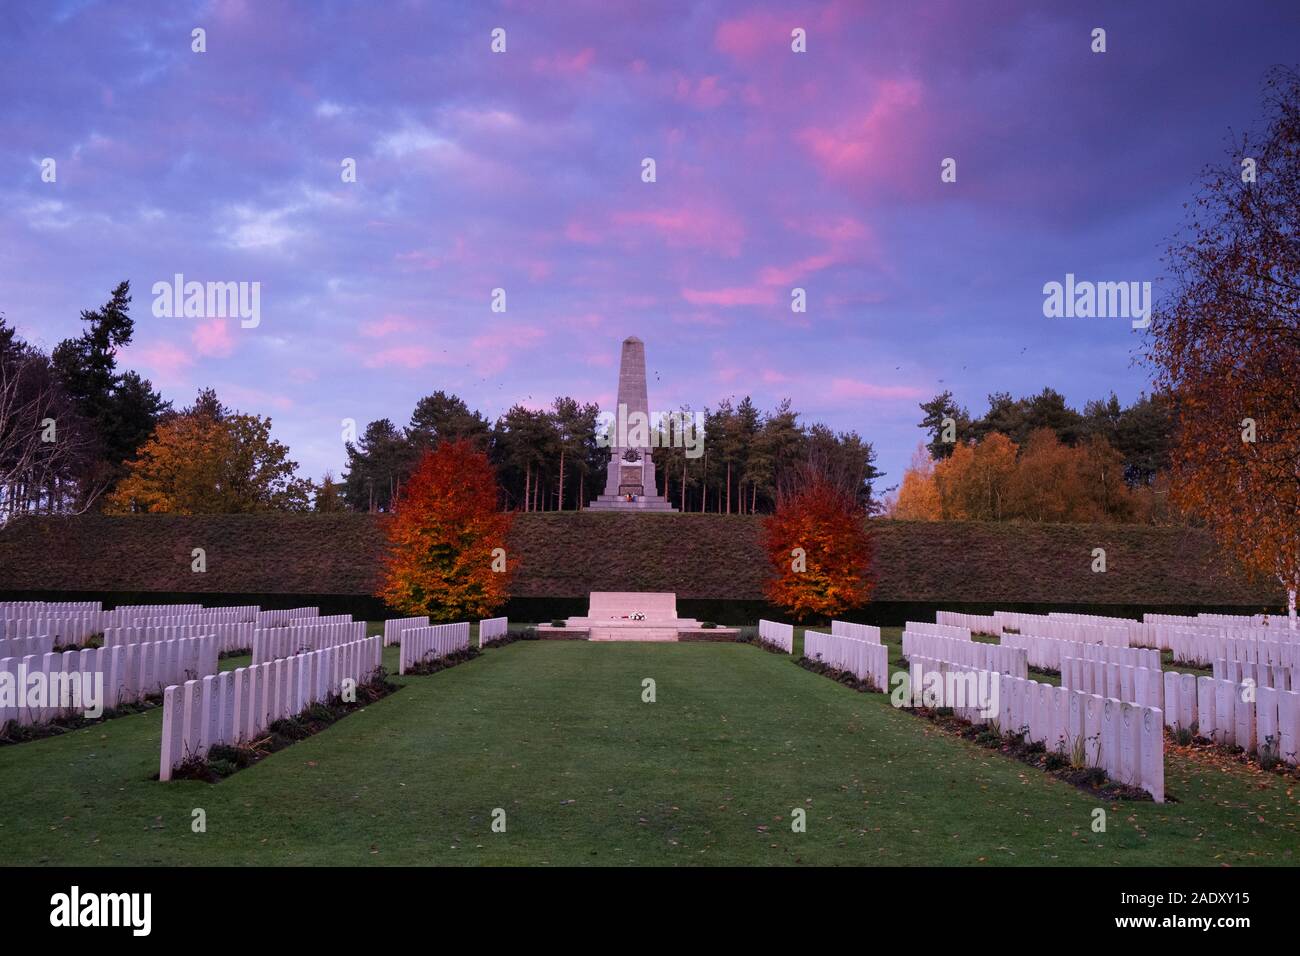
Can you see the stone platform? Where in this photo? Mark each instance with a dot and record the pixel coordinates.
(642, 503)
(611, 616)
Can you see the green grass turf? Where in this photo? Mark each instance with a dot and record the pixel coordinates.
(557, 735)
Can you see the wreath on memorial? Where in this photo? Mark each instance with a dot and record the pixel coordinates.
(638, 616)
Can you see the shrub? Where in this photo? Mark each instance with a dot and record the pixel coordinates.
(1269, 755)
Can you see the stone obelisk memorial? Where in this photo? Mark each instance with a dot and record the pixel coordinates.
(630, 485)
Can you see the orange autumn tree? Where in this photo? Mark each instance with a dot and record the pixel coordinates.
(818, 544)
(442, 538)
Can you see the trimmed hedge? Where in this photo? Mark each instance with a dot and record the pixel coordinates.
(714, 563)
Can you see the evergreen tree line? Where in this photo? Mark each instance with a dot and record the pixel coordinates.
(70, 419)
(553, 459)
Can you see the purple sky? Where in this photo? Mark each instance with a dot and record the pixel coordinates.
(522, 170)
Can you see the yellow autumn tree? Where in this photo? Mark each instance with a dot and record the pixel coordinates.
(918, 497)
(1225, 345)
(210, 460)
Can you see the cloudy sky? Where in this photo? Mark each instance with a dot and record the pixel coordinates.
(523, 170)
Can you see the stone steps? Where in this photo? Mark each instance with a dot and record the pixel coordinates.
(644, 503)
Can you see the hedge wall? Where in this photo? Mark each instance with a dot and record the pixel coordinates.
(713, 562)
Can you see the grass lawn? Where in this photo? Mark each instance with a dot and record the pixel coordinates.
(557, 735)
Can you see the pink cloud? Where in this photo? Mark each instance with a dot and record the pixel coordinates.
(704, 93)
(785, 275)
(865, 144)
(854, 389)
(389, 324)
(493, 350)
(213, 338)
(754, 33)
(561, 64)
(583, 232)
(738, 295)
(164, 361)
(693, 226)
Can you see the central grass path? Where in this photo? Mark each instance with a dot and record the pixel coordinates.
(557, 735)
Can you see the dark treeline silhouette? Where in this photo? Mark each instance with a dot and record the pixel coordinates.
(552, 459)
(69, 420)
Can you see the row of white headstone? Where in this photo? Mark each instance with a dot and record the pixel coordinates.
(13, 609)
(1199, 640)
(1125, 740)
(953, 632)
(1054, 625)
(75, 622)
(213, 615)
(394, 627)
(1046, 653)
(23, 646)
(859, 632)
(966, 653)
(71, 627)
(300, 637)
(1242, 715)
(865, 659)
(975, 623)
(283, 616)
(128, 673)
(419, 644)
(778, 634)
(492, 629)
(1265, 675)
(230, 637)
(236, 707)
(1277, 622)
(1202, 646)
(1038, 625)
(1133, 685)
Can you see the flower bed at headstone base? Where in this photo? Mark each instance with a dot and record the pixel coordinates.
(1193, 746)
(749, 635)
(13, 732)
(433, 665)
(510, 637)
(847, 678)
(1089, 779)
(223, 760)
